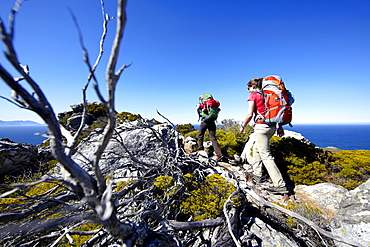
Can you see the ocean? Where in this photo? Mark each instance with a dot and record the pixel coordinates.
(346, 137)
(23, 133)
(342, 136)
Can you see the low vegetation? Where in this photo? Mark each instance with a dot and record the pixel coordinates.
(301, 162)
(206, 200)
(203, 198)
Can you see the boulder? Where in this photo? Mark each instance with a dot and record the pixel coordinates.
(131, 144)
(77, 108)
(352, 220)
(262, 234)
(75, 121)
(324, 196)
(17, 156)
(190, 145)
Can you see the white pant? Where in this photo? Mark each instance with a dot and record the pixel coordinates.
(262, 154)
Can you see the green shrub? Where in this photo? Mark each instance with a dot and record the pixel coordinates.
(304, 163)
(127, 117)
(207, 201)
(302, 172)
(165, 186)
(96, 109)
(299, 162)
(164, 182)
(350, 167)
(305, 210)
(79, 240)
(185, 128)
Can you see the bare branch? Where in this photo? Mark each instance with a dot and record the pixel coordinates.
(65, 231)
(92, 69)
(15, 9)
(182, 226)
(111, 81)
(9, 192)
(11, 101)
(174, 126)
(38, 208)
(112, 77)
(230, 228)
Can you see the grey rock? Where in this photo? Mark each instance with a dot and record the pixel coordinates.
(324, 196)
(74, 122)
(77, 108)
(353, 218)
(264, 235)
(150, 146)
(17, 156)
(190, 145)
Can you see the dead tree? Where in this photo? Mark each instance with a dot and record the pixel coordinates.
(132, 216)
(86, 196)
(84, 186)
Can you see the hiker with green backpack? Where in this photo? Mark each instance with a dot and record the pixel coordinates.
(208, 109)
(269, 105)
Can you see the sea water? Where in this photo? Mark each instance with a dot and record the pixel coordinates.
(347, 137)
(342, 136)
(25, 134)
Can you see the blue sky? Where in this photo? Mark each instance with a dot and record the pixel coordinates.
(181, 49)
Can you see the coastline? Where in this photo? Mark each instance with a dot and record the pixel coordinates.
(342, 136)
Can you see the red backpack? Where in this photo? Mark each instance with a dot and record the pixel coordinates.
(278, 101)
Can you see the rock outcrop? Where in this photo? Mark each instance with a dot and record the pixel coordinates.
(74, 122)
(190, 145)
(74, 117)
(15, 157)
(352, 220)
(348, 211)
(135, 144)
(325, 196)
(132, 143)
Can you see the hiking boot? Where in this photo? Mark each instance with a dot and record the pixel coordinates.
(221, 159)
(277, 190)
(254, 178)
(259, 179)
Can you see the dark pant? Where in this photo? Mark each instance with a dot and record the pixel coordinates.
(211, 126)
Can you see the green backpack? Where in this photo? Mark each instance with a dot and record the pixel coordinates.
(210, 106)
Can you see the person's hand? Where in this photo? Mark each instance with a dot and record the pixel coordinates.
(241, 129)
(280, 131)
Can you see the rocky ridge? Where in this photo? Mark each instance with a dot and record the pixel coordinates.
(346, 213)
(15, 157)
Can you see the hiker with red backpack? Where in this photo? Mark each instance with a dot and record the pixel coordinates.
(208, 109)
(269, 105)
